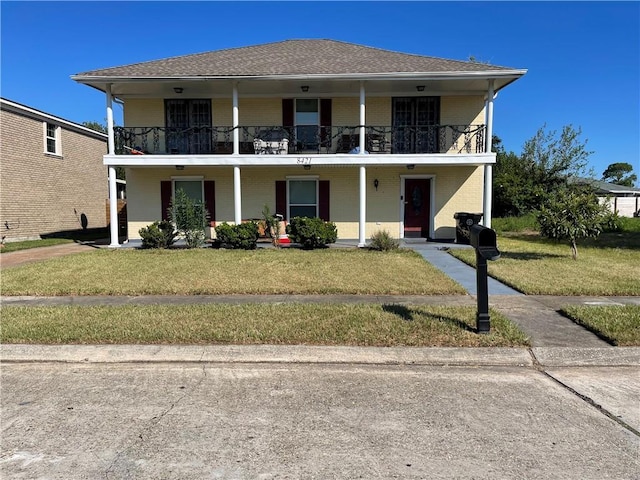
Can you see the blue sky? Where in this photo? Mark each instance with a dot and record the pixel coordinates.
(583, 57)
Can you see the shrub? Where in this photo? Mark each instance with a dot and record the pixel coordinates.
(243, 236)
(383, 241)
(190, 218)
(312, 232)
(158, 235)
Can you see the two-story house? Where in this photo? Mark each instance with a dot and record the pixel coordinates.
(53, 176)
(367, 138)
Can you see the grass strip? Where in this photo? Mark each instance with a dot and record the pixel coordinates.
(27, 244)
(277, 324)
(619, 325)
(228, 272)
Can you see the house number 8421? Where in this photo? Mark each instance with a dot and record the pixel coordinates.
(304, 160)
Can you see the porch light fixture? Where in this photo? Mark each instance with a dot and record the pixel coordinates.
(304, 88)
(411, 166)
(376, 183)
(420, 88)
(179, 167)
(178, 89)
(307, 167)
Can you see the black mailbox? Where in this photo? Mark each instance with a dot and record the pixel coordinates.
(483, 239)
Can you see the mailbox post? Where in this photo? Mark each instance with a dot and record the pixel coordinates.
(483, 239)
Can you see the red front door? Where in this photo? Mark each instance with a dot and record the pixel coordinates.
(417, 195)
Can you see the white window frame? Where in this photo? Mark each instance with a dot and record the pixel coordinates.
(307, 178)
(295, 116)
(198, 178)
(56, 138)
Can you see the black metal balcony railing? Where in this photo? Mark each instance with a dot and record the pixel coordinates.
(303, 139)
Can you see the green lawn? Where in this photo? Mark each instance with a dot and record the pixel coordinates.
(609, 265)
(228, 272)
(291, 324)
(619, 325)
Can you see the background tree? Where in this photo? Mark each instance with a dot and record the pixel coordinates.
(97, 126)
(548, 159)
(573, 212)
(620, 174)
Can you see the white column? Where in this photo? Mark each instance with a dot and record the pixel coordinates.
(362, 119)
(113, 208)
(488, 168)
(363, 207)
(113, 194)
(236, 132)
(237, 196)
(111, 140)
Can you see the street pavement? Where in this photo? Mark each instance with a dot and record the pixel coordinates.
(567, 408)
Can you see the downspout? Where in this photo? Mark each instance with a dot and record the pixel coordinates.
(113, 194)
(488, 168)
(237, 194)
(363, 176)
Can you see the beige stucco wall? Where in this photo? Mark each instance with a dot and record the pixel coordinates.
(454, 189)
(42, 193)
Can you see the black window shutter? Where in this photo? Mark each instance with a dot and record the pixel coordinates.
(281, 198)
(165, 198)
(210, 200)
(287, 112)
(325, 119)
(323, 197)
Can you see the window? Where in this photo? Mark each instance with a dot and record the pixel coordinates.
(52, 138)
(188, 125)
(303, 198)
(307, 119)
(193, 189)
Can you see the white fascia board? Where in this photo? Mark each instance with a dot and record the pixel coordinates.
(39, 115)
(331, 160)
(343, 76)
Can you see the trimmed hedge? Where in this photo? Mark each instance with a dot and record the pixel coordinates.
(312, 232)
(243, 236)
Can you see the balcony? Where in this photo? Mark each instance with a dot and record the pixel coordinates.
(433, 139)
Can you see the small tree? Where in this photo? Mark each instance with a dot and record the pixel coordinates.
(571, 214)
(190, 218)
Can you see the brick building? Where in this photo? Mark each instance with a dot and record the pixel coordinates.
(52, 177)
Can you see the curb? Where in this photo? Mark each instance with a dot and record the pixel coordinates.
(296, 354)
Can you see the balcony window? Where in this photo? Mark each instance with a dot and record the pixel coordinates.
(307, 120)
(188, 125)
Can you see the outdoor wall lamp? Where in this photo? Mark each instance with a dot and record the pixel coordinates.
(307, 167)
(376, 183)
(178, 89)
(304, 88)
(179, 167)
(411, 166)
(420, 88)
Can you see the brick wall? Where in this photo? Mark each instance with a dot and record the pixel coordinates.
(42, 193)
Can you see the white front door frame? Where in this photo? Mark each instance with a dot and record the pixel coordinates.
(432, 201)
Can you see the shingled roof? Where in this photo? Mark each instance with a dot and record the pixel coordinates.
(290, 58)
